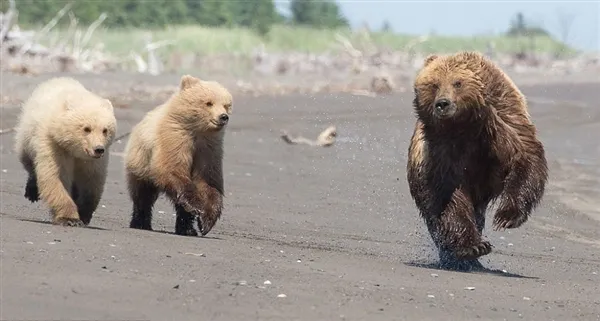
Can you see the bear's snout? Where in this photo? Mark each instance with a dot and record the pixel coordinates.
(444, 107)
(223, 119)
(99, 150)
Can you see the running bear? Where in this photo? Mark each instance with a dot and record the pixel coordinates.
(62, 141)
(473, 143)
(177, 149)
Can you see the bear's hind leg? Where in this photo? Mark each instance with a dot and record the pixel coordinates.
(31, 189)
(87, 189)
(457, 231)
(87, 200)
(143, 195)
(184, 223)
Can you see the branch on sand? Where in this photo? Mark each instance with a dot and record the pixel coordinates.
(325, 139)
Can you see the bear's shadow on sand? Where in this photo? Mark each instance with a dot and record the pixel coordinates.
(103, 229)
(173, 233)
(50, 223)
(478, 269)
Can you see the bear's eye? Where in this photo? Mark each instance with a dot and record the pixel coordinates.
(209, 104)
(435, 86)
(87, 129)
(457, 84)
(104, 131)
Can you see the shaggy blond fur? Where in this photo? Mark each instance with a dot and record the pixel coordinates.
(177, 149)
(62, 140)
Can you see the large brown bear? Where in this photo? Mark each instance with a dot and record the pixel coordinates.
(178, 149)
(473, 143)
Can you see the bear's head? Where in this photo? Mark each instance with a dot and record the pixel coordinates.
(450, 87)
(88, 126)
(204, 104)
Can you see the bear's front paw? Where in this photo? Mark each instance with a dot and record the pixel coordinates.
(67, 221)
(206, 223)
(473, 252)
(186, 231)
(31, 191)
(140, 224)
(211, 214)
(506, 218)
(190, 202)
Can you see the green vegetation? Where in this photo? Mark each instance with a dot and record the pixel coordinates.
(211, 40)
(217, 26)
(258, 15)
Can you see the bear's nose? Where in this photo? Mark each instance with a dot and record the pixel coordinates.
(223, 118)
(99, 150)
(442, 103)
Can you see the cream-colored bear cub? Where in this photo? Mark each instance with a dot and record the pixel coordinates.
(62, 140)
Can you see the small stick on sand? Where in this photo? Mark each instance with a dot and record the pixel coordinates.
(325, 139)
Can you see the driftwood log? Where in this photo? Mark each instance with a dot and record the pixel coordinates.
(325, 139)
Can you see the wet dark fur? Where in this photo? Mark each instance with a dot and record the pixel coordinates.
(144, 194)
(487, 151)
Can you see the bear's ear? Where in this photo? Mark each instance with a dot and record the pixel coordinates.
(188, 81)
(429, 59)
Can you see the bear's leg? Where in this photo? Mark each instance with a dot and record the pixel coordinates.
(31, 188)
(523, 189)
(526, 180)
(184, 223)
(480, 217)
(447, 258)
(212, 203)
(54, 176)
(87, 189)
(457, 231)
(143, 195)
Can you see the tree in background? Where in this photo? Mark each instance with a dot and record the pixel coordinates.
(322, 14)
(386, 26)
(520, 27)
(259, 15)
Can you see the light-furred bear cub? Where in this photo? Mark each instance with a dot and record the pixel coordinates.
(62, 140)
(177, 149)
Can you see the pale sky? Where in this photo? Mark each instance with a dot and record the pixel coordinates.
(476, 17)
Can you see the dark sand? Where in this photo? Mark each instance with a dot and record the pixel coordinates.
(334, 229)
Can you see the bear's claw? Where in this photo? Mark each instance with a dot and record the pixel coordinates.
(508, 219)
(64, 221)
(205, 225)
(473, 252)
(187, 231)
